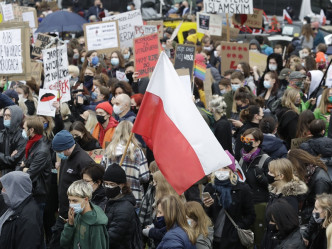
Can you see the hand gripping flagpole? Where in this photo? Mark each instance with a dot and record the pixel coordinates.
(125, 151)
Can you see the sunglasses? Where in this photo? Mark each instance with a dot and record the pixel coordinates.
(246, 139)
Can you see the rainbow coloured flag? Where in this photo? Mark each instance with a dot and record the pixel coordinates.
(200, 70)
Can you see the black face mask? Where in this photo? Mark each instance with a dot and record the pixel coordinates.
(101, 119)
(134, 110)
(112, 192)
(273, 228)
(130, 77)
(81, 119)
(78, 139)
(270, 179)
(247, 147)
(88, 81)
(160, 222)
(240, 108)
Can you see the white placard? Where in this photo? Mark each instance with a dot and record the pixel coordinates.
(29, 17)
(7, 12)
(121, 76)
(45, 100)
(55, 67)
(127, 22)
(209, 24)
(229, 6)
(102, 35)
(145, 30)
(11, 53)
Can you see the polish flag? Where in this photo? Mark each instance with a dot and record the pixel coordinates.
(183, 145)
(322, 17)
(287, 17)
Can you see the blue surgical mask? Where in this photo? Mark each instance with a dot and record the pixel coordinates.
(126, 56)
(128, 8)
(6, 123)
(62, 156)
(45, 126)
(115, 61)
(82, 59)
(24, 134)
(77, 207)
(267, 84)
(94, 95)
(95, 61)
(222, 92)
(235, 87)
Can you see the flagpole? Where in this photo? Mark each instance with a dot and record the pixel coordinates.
(228, 28)
(127, 145)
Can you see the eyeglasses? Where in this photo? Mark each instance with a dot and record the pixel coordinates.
(246, 139)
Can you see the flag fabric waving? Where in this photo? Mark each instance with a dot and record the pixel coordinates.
(287, 17)
(322, 17)
(184, 147)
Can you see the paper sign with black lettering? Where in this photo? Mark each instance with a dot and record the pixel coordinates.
(229, 6)
(45, 102)
(145, 30)
(160, 27)
(185, 57)
(11, 52)
(146, 51)
(7, 12)
(253, 21)
(41, 42)
(209, 24)
(234, 53)
(127, 22)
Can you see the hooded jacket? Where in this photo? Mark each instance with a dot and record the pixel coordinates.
(316, 76)
(274, 146)
(10, 140)
(255, 42)
(22, 228)
(89, 231)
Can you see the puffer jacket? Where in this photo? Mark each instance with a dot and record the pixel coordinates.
(176, 238)
(274, 146)
(293, 241)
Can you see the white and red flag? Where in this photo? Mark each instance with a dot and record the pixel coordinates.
(322, 17)
(287, 17)
(183, 145)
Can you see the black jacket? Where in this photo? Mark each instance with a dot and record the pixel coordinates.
(238, 143)
(287, 125)
(274, 147)
(99, 198)
(39, 166)
(92, 144)
(293, 241)
(223, 132)
(241, 210)
(121, 214)
(256, 178)
(316, 235)
(70, 171)
(22, 230)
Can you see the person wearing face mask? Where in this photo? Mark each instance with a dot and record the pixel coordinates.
(95, 10)
(272, 90)
(21, 223)
(117, 64)
(282, 185)
(83, 137)
(131, 6)
(26, 99)
(136, 101)
(254, 46)
(74, 72)
(86, 226)
(315, 234)
(122, 218)
(324, 108)
(226, 192)
(99, 95)
(89, 73)
(138, 85)
(126, 54)
(73, 160)
(122, 108)
(284, 223)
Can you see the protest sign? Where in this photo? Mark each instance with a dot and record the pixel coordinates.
(29, 15)
(176, 31)
(146, 53)
(15, 50)
(41, 42)
(36, 70)
(208, 85)
(7, 12)
(209, 24)
(160, 27)
(96, 155)
(121, 76)
(234, 32)
(145, 30)
(45, 101)
(258, 60)
(127, 22)
(253, 21)
(229, 6)
(185, 57)
(234, 53)
(102, 36)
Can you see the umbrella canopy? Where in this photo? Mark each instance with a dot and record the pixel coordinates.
(61, 21)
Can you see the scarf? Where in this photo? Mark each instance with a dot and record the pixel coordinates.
(5, 217)
(310, 170)
(248, 157)
(31, 142)
(329, 108)
(224, 188)
(111, 124)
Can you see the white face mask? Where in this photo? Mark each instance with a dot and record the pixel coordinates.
(222, 175)
(272, 67)
(117, 109)
(215, 53)
(207, 48)
(254, 50)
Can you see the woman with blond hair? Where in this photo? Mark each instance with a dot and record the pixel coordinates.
(163, 188)
(179, 234)
(324, 108)
(201, 224)
(134, 163)
(307, 36)
(282, 185)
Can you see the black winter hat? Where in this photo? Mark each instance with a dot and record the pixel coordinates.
(115, 173)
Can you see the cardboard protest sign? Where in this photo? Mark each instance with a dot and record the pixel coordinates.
(96, 155)
(160, 27)
(146, 53)
(253, 21)
(229, 6)
(36, 70)
(145, 30)
(208, 85)
(232, 54)
(127, 22)
(234, 32)
(45, 101)
(185, 57)
(102, 36)
(209, 24)
(258, 60)
(41, 42)
(176, 31)
(7, 12)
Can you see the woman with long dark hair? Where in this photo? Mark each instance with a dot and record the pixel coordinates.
(272, 89)
(83, 137)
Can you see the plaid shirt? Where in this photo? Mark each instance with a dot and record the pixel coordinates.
(137, 172)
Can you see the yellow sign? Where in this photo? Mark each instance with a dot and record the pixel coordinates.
(1, 18)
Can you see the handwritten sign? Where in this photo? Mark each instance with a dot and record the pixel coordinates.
(229, 6)
(7, 12)
(127, 22)
(209, 24)
(160, 27)
(257, 59)
(96, 155)
(102, 36)
(234, 53)
(145, 30)
(11, 52)
(253, 21)
(41, 42)
(146, 51)
(120, 75)
(45, 102)
(185, 57)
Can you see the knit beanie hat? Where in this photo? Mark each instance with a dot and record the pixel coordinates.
(106, 107)
(115, 173)
(63, 140)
